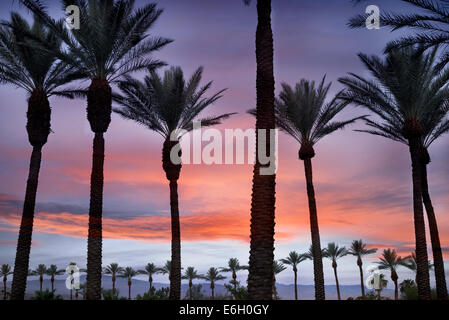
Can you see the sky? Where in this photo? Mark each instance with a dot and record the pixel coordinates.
(363, 183)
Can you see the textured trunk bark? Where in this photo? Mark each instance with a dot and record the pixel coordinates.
(175, 273)
(190, 290)
(5, 295)
(52, 283)
(337, 283)
(151, 284)
(263, 189)
(94, 241)
(438, 261)
(213, 293)
(420, 231)
(21, 264)
(396, 291)
(129, 292)
(362, 284)
(316, 245)
(41, 281)
(113, 285)
(296, 285)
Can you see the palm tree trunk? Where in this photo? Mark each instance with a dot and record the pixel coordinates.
(316, 246)
(5, 296)
(296, 285)
(41, 280)
(113, 285)
(337, 284)
(263, 190)
(420, 231)
(396, 291)
(190, 290)
(175, 273)
(129, 290)
(150, 279)
(52, 283)
(94, 242)
(362, 284)
(434, 237)
(21, 264)
(212, 287)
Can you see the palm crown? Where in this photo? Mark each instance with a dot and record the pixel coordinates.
(128, 273)
(390, 260)
(150, 269)
(166, 269)
(234, 266)
(39, 271)
(5, 270)
(278, 267)
(410, 263)
(334, 252)
(294, 258)
(113, 269)
(54, 271)
(191, 274)
(359, 249)
(213, 275)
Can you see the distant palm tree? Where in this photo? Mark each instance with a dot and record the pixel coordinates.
(53, 271)
(391, 261)
(191, 274)
(128, 273)
(150, 270)
(113, 269)
(233, 267)
(38, 72)
(334, 252)
(169, 106)
(410, 95)
(212, 275)
(166, 269)
(302, 113)
(278, 267)
(5, 271)
(264, 186)
(40, 271)
(411, 264)
(294, 259)
(359, 249)
(112, 42)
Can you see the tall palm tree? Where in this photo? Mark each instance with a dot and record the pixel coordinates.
(169, 106)
(5, 271)
(278, 267)
(150, 270)
(113, 269)
(24, 65)
(411, 264)
(53, 271)
(359, 249)
(191, 274)
(40, 271)
(128, 273)
(391, 261)
(334, 252)
(302, 113)
(213, 275)
(264, 185)
(111, 43)
(294, 259)
(234, 266)
(409, 94)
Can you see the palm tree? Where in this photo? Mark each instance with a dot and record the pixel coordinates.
(359, 249)
(278, 267)
(113, 269)
(212, 275)
(40, 271)
(128, 273)
(302, 113)
(112, 43)
(409, 94)
(334, 252)
(169, 106)
(263, 190)
(24, 65)
(166, 269)
(53, 271)
(233, 267)
(191, 274)
(5, 271)
(382, 285)
(391, 261)
(293, 260)
(411, 264)
(150, 270)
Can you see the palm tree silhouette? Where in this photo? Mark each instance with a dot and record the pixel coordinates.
(25, 65)
(411, 264)
(150, 270)
(53, 271)
(169, 106)
(302, 113)
(359, 249)
(264, 186)
(409, 94)
(191, 274)
(278, 267)
(213, 275)
(294, 259)
(40, 271)
(233, 267)
(334, 252)
(5, 271)
(128, 273)
(111, 44)
(113, 269)
(391, 261)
